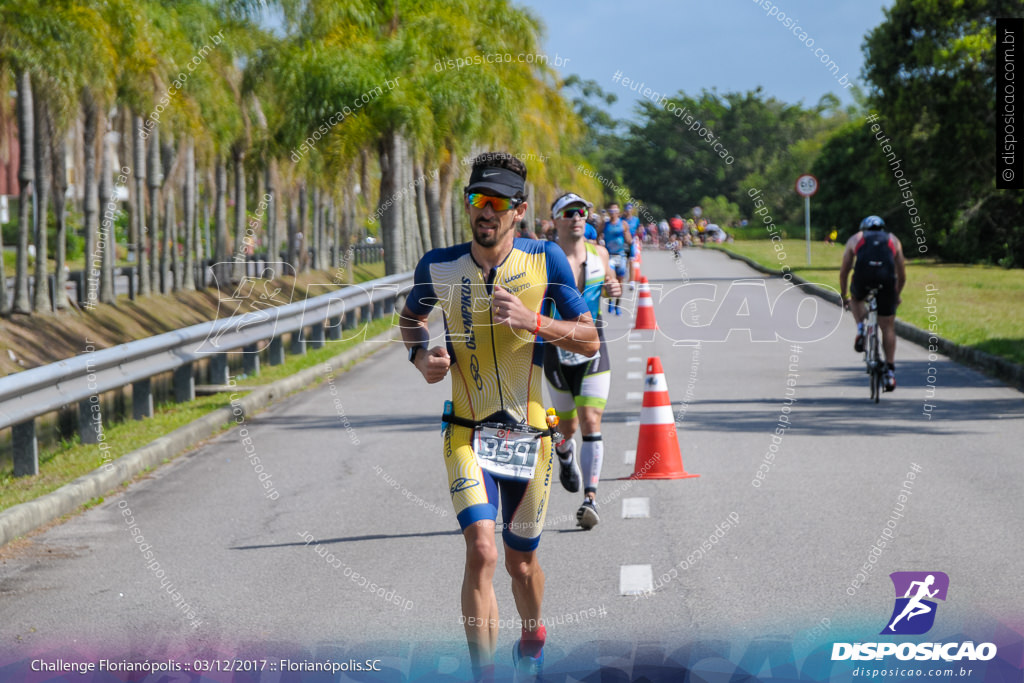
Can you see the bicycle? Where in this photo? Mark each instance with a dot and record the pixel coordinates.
(875, 366)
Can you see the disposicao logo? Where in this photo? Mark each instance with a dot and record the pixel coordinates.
(914, 614)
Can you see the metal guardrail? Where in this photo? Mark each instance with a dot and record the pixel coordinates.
(27, 395)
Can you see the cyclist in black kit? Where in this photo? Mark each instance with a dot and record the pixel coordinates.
(879, 264)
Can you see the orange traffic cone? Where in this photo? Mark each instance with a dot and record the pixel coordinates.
(657, 449)
(645, 308)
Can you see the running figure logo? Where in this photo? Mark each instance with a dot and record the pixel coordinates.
(914, 613)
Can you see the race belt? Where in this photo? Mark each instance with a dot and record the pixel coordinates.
(506, 451)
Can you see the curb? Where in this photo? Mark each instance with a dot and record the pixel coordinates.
(28, 516)
(1005, 371)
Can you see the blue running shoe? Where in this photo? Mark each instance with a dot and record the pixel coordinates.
(526, 667)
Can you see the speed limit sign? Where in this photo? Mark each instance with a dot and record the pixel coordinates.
(806, 185)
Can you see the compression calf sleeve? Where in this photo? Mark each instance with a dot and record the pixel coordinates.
(591, 456)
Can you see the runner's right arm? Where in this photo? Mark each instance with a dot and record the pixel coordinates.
(432, 362)
(612, 286)
(901, 270)
(845, 267)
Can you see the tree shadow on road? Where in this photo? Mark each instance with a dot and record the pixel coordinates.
(349, 539)
(851, 412)
(400, 422)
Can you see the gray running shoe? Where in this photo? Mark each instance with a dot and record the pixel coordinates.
(569, 473)
(587, 516)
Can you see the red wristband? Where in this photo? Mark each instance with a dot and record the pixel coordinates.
(536, 330)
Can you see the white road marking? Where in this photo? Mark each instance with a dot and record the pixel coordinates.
(635, 579)
(634, 375)
(636, 508)
(630, 457)
(634, 395)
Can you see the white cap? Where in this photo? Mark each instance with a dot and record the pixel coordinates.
(568, 199)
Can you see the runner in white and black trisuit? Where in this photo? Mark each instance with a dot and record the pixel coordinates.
(579, 385)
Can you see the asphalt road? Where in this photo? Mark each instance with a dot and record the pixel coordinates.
(356, 466)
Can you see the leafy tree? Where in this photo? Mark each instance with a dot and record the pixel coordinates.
(588, 100)
(854, 184)
(690, 147)
(720, 210)
(931, 68)
(229, 127)
(776, 180)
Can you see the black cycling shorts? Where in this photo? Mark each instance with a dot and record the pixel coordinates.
(885, 297)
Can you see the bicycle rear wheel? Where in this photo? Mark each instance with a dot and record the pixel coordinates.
(876, 369)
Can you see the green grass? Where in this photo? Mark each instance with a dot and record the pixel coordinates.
(72, 459)
(11, 263)
(794, 254)
(975, 306)
(368, 271)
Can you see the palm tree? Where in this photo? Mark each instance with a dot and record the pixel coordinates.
(60, 186)
(91, 202)
(139, 229)
(21, 26)
(97, 95)
(188, 280)
(168, 236)
(51, 79)
(238, 256)
(108, 294)
(212, 114)
(43, 157)
(141, 60)
(26, 188)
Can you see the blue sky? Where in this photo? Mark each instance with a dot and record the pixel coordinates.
(731, 45)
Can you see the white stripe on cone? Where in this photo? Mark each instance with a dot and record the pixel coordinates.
(655, 383)
(657, 415)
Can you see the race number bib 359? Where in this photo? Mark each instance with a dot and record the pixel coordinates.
(506, 452)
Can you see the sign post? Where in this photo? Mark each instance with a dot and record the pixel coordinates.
(807, 185)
